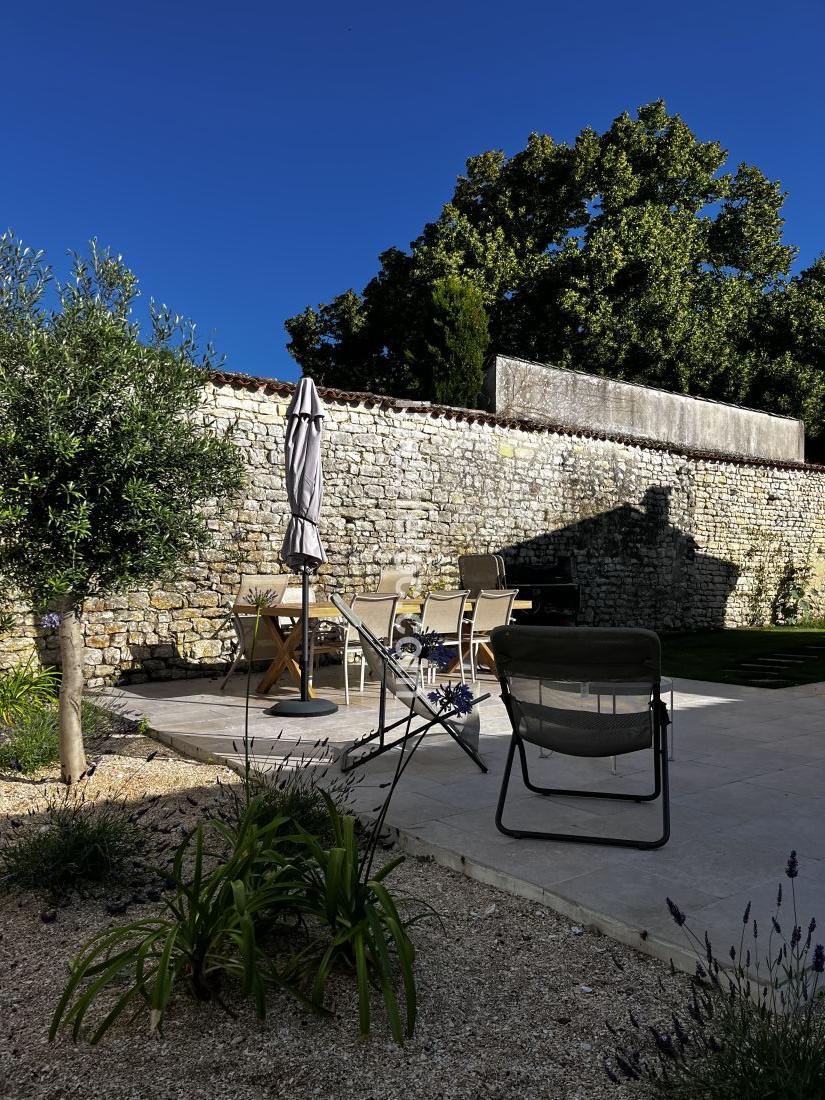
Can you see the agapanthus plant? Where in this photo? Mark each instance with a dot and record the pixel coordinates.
(425, 646)
(448, 697)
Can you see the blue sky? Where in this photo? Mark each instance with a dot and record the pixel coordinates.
(250, 158)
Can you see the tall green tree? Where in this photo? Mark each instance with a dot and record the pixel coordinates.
(107, 453)
(633, 253)
(455, 339)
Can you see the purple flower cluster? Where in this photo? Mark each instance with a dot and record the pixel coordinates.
(50, 621)
(426, 646)
(458, 698)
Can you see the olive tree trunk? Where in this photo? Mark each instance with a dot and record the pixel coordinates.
(72, 754)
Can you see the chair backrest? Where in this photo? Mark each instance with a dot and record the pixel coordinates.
(492, 608)
(397, 581)
(398, 680)
(264, 645)
(271, 584)
(553, 679)
(478, 571)
(443, 612)
(376, 610)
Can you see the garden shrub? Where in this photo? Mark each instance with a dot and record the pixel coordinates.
(292, 787)
(753, 1026)
(81, 842)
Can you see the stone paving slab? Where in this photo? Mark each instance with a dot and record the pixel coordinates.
(747, 786)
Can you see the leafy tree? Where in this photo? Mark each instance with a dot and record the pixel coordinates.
(105, 450)
(456, 336)
(630, 253)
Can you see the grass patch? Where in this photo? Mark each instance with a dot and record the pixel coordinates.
(715, 654)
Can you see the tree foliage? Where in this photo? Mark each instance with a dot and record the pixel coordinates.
(106, 455)
(455, 335)
(103, 463)
(633, 253)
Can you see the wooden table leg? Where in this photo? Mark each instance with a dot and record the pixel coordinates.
(489, 659)
(285, 658)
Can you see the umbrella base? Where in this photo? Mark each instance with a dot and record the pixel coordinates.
(301, 708)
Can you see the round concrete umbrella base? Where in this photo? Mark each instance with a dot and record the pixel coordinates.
(301, 708)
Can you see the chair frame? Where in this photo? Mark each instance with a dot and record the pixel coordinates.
(281, 581)
(505, 595)
(366, 597)
(378, 735)
(460, 597)
(660, 787)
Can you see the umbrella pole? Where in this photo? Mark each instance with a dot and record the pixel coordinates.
(303, 707)
(305, 634)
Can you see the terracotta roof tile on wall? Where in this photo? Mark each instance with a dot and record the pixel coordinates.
(479, 416)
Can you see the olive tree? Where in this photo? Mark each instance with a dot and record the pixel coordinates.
(107, 453)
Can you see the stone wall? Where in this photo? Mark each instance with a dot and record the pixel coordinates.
(658, 538)
(540, 392)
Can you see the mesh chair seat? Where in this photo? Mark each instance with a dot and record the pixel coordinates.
(552, 679)
(583, 733)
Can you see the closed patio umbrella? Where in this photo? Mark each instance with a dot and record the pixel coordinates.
(302, 549)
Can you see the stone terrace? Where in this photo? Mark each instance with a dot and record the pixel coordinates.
(747, 785)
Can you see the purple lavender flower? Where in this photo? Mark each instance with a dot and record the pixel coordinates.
(676, 912)
(747, 915)
(50, 621)
(819, 959)
(792, 870)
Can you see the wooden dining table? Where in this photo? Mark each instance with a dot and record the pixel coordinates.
(286, 639)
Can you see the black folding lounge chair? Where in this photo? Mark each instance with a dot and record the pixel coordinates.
(421, 716)
(551, 681)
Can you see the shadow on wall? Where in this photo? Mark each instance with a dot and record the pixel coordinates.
(635, 568)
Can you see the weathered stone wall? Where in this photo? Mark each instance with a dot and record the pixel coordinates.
(554, 395)
(657, 538)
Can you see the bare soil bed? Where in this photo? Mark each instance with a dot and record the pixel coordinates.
(513, 1000)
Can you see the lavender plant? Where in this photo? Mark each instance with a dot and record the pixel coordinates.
(753, 1025)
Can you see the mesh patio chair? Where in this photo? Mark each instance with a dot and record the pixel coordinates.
(376, 611)
(480, 571)
(443, 612)
(397, 581)
(421, 715)
(252, 587)
(550, 681)
(492, 608)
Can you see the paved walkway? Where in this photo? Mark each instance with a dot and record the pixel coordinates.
(747, 785)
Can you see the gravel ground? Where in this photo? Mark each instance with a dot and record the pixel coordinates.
(513, 1000)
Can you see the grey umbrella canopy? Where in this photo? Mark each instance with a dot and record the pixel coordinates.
(304, 478)
(302, 549)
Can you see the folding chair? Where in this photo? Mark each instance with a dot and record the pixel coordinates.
(478, 571)
(253, 587)
(397, 581)
(394, 678)
(551, 678)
